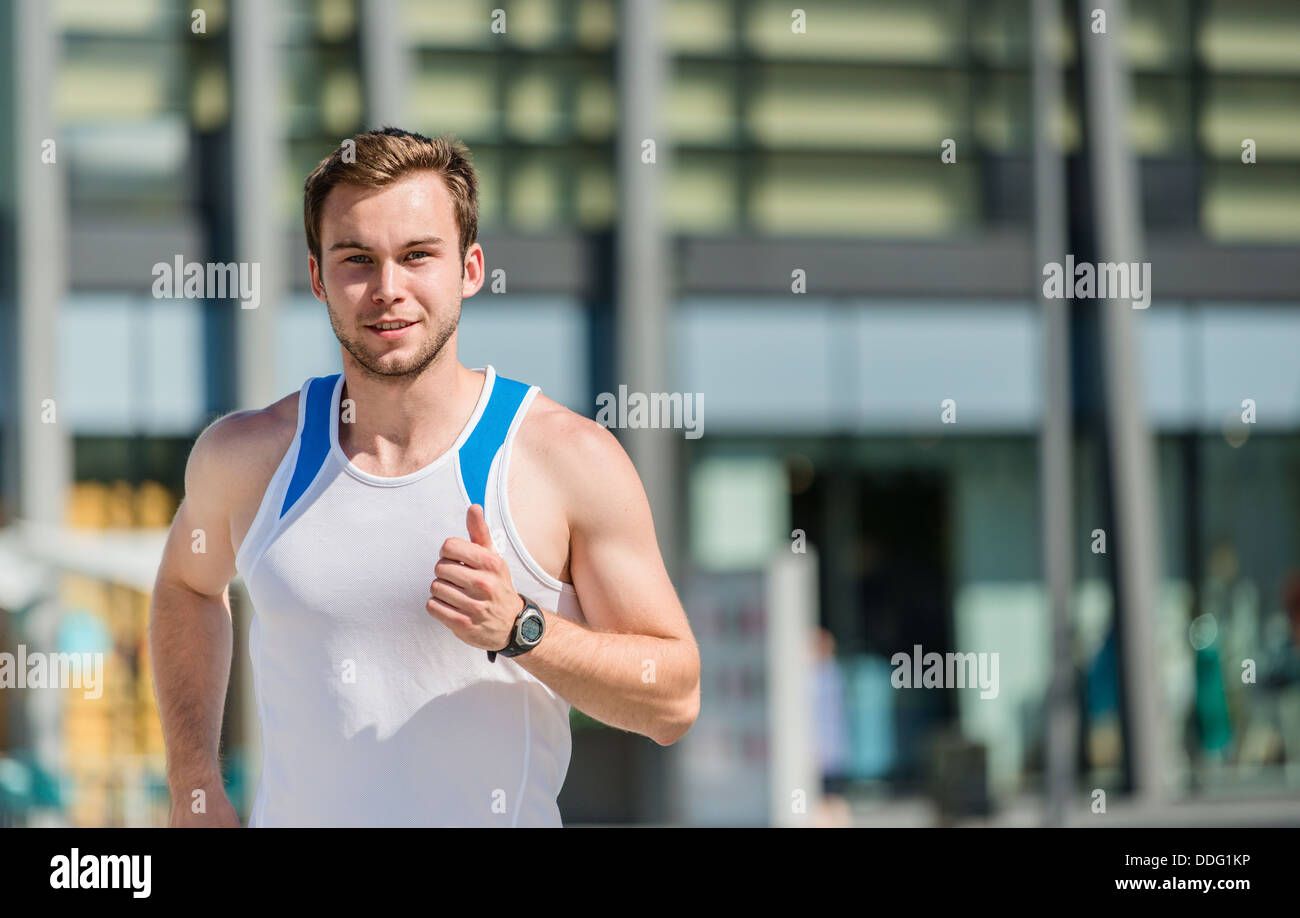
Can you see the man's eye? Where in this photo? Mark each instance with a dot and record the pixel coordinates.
(353, 257)
(413, 254)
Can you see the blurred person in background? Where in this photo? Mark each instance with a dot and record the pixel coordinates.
(832, 733)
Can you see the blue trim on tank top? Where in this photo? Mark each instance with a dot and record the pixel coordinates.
(477, 453)
(315, 443)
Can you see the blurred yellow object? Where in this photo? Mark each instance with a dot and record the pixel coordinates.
(88, 505)
(155, 505)
(113, 748)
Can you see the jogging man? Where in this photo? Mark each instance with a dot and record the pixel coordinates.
(441, 560)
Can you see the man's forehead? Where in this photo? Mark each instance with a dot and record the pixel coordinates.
(426, 191)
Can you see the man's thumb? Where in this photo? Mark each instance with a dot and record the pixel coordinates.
(478, 528)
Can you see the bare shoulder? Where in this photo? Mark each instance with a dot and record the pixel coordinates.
(226, 475)
(580, 457)
(244, 439)
(235, 457)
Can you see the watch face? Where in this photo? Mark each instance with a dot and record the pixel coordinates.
(530, 629)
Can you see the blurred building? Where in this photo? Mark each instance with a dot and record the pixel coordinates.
(830, 284)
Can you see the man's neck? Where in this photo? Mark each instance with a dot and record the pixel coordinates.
(397, 425)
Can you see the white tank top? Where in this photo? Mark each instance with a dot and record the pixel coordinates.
(373, 713)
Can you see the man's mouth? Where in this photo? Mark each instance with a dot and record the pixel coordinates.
(393, 328)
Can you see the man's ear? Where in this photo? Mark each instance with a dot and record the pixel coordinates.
(317, 278)
(472, 271)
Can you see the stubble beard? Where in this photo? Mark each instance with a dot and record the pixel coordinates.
(433, 345)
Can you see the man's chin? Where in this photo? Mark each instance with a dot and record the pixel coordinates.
(392, 368)
(392, 365)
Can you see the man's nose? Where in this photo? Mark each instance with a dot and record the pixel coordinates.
(387, 286)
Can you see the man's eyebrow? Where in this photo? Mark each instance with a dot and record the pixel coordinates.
(354, 244)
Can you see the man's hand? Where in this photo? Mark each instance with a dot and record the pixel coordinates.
(473, 594)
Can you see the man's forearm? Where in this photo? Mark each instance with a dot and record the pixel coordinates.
(190, 639)
(648, 685)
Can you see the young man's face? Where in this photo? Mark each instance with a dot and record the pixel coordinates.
(391, 257)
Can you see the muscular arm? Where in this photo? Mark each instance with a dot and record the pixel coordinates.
(637, 666)
(190, 629)
(190, 632)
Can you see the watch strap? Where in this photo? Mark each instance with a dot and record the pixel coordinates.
(514, 630)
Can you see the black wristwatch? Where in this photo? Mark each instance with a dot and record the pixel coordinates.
(527, 633)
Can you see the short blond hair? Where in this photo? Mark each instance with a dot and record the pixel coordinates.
(384, 156)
